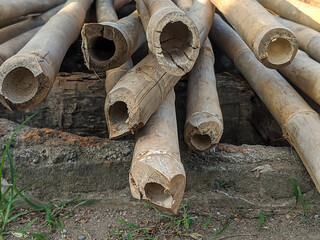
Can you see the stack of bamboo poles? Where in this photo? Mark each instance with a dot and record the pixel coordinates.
(140, 98)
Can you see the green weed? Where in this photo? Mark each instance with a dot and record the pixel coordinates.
(299, 197)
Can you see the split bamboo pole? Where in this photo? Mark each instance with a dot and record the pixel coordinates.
(11, 9)
(11, 47)
(114, 75)
(299, 122)
(110, 42)
(32, 22)
(296, 11)
(273, 44)
(140, 92)
(27, 77)
(172, 36)
(304, 72)
(204, 125)
(157, 175)
(309, 39)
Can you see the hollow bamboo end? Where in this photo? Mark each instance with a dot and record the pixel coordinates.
(203, 131)
(174, 39)
(121, 113)
(24, 81)
(276, 48)
(104, 46)
(149, 183)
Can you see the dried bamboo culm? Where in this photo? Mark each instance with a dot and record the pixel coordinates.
(309, 39)
(11, 47)
(15, 8)
(32, 22)
(204, 125)
(299, 122)
(140, 92)
(172, 36)
(27, 77)
(273, 44)
(296, 11)
(110, 42)
(157, 175)
(304, 72)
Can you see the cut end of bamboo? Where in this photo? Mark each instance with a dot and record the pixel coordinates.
(201, 136)
(277, 48)
(24, 82)
(174, 39)
(154, 187)
(104, 46)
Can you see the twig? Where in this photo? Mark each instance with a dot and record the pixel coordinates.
(237, 235)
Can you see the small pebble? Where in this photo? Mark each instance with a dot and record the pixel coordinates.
(126, 151)
(82, 237)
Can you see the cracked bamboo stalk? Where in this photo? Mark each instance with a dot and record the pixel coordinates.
(11, 47)
(32, 22)
(172, 36)
(114, 75)
(157, 175)
(139, 93)
(273, 44)
(15, 8)
(304, 72)
(27, 77)
(296, 11)
(299, 122)
(204, 125)
(309, 39)
(110, 42)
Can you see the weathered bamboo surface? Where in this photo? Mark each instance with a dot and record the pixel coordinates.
(273, 44)
(309, 39)
(296, 11)
(299, 122)
(16, 8)
(27, 77)
(204, 124)
(12, 46)
(16, 29)
(157, 175)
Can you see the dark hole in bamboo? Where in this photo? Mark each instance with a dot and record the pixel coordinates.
(102, 49)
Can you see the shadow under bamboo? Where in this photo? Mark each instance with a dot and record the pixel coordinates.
(296, 11)
(299, 122)
(32, 22)
(204, 125)
(110, 42)
(27, 77)
(309, 39)
(139, 93)
(11, 47)
(157, 175)
(273, 44)
(172, 36)
(15, 8)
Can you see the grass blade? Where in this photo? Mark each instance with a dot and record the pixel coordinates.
(127, 223)
(129, 234)
(261, 220)
(30, 223)
(208, 221)
(222, 230)
(295, 189)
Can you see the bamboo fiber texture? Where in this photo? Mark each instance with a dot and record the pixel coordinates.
(299, 122)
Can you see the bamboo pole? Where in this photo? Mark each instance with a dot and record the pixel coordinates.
(299, 122)
(11, 47)
(204, 125)
(140, 92)
(296, 11)
(273, 44)
(15, 8)
(27, 77)
(157, 175)
(114, 75)
(309, 39)
(172, 36)
(110, 42)
(304, 72)
(32, 22)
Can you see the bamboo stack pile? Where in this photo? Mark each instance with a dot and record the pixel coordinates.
(140, 98)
